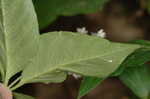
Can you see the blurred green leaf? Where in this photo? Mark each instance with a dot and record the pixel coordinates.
(118, 71)
(138, 80)
(145, 43)
(87, 84)
(49, 10)
(137, 58)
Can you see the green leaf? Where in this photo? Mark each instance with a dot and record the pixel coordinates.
(118, 71)
(145, 43)
(55, 77)
(82, 54)
(21, 96)
(138, 80)
(88, 84)
(18, 35)
(49, 10)
(138, 58)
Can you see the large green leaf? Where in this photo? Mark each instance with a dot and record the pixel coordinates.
(145, 43)
(82, 54)
(21, 96)
(87, 84)
(138, 80)
(90, 83)
(18, 35)
(49, 10)
(137, 58)
(54, 76)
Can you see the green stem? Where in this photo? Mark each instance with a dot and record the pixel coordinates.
(17, 86)
(14, 82)
(2, 75)
(6, 82)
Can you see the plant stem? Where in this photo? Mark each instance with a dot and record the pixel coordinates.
(2, 75)
(6, 80)
(17, 86)
(14, 82)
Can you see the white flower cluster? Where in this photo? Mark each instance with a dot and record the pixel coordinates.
(99, 33)
(82, 30)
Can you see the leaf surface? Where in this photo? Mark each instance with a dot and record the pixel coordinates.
(137, 58)
(87, 84)
(138, 80)
(55, 77)
(49, 10)
(18, 35)
(81, 54)
(145, 43)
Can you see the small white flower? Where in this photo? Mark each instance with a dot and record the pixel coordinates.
(101, 33)
(82, 30)
(76, 76)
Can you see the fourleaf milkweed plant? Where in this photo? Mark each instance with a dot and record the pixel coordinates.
(26, 56)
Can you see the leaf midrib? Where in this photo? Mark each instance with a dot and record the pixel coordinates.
(57, 67)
